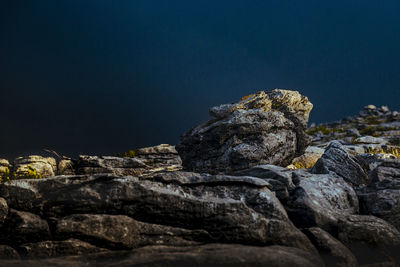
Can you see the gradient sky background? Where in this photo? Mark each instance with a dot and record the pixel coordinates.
(101, 77)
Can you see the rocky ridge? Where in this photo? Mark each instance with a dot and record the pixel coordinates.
(331, 203)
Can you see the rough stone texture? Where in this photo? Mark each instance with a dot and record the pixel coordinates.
(108, 164)
(145, 161)
(382, 195)
(280, 178)
(332, 251)
(263, 128)
(160, 156)
(119, 231)
(337, 160)
(372, 240)
(23, 227)
(229, 208)
(66, 167)
(48, 249)
(8, 253)
(46, 167)
(206, 255)
(320, 199)
(3, 210)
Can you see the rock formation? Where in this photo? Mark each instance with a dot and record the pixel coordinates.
(236, 204)
(263, 128)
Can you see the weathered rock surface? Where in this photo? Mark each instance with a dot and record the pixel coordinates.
(320, 200)
(8, 253)
(160, 156)
(332, 251)
(337, 160)
(23, 227)
(120, 231)
(280, 178)
(49, 249)
(205, 255)
(382, 195)
(45, 167)
(229, 208)
(264, 128)
(146, 160)
(109, 164)
(372, 240)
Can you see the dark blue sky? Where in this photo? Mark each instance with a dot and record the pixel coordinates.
(101, 77)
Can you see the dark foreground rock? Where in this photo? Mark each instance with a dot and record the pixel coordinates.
(332, 251)
(264, 128)
(206, 255)
(382, 195)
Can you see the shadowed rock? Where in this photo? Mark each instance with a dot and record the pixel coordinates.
(332, 251)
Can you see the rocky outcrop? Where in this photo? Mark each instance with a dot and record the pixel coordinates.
(125, 212)
(264, 128)
(338, 161)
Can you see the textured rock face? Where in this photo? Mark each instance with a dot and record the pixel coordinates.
(45, 167)
(382, 195)
(337, 160)
(332, 251)
(264, 128)
(280, 179)
(320, 200)
(22, 227)
(225, 208)
(145, 161)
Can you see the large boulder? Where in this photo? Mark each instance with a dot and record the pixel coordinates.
(381, 197)
(234, 209)
(320, 200)
(263, 128)
(337, 160)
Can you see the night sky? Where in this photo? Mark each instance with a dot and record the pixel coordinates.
(102, 77)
